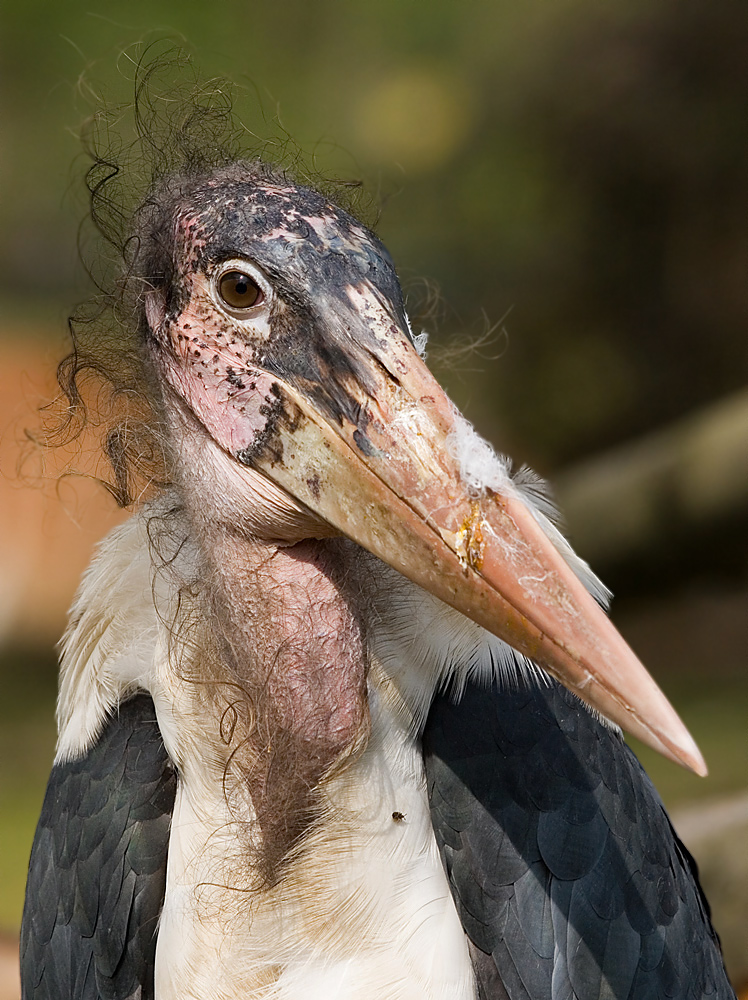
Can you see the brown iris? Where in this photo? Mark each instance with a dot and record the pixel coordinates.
(238, 290)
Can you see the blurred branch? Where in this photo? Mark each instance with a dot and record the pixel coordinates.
(662, 491)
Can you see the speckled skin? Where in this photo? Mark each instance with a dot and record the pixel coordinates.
(311, 252)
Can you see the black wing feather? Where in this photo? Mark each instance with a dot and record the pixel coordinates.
(98, 867)
(568, 877)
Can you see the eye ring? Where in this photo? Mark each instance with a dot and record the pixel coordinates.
(238, 290)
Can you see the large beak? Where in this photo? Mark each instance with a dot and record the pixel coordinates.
(389, 478)
(392, 483)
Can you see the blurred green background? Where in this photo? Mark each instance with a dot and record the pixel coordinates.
(573, 176)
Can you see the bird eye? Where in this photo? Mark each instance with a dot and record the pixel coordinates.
(238, 290)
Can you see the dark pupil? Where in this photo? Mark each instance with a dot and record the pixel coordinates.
(238, 290)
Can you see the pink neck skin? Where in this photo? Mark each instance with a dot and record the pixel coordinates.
(291, 630)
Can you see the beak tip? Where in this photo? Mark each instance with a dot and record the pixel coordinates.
(687, 754)
(697, 764)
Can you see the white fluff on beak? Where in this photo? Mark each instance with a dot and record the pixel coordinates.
(481, 469)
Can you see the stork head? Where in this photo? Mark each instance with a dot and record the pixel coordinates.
(275, 325)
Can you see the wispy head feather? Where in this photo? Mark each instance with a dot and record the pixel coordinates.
(176, 127)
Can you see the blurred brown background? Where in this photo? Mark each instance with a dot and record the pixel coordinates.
(574, 178)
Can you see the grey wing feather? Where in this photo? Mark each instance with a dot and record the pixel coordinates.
(98, 867)
(566, 872)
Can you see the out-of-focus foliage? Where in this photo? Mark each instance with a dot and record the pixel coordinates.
(573, 174)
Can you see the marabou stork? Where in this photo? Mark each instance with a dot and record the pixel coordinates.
(306, 746)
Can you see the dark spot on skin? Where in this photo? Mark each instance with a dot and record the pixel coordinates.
(313, 484)
(365, 445)
(398, 817)
(266, 443)
(234, 379)
(308, 358)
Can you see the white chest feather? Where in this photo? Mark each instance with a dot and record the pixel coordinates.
(363, 912)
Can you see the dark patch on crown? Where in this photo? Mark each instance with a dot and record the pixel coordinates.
(246, 210)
